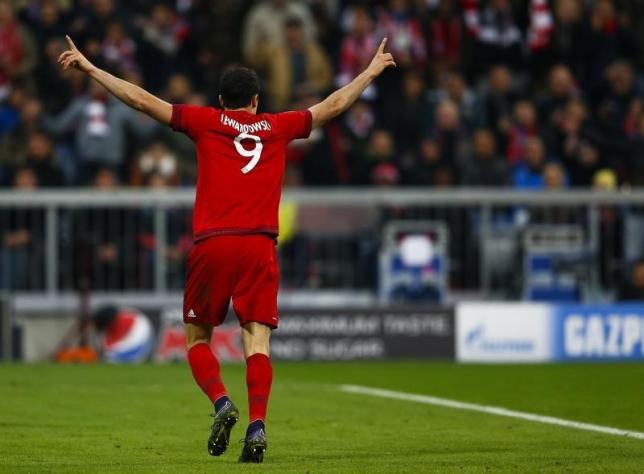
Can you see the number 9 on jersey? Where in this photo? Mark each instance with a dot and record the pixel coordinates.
(254, 154)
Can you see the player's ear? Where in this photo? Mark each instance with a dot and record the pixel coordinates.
(255, 101)
(221, 102)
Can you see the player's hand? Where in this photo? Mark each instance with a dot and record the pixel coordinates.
(74, 58)
(381, 60)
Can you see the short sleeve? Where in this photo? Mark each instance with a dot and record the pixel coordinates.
(190, 119)
(295, 124)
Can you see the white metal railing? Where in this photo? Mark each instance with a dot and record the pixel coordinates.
(484, 201)
(335, 196)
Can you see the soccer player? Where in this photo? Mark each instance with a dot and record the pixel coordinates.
(240, 157)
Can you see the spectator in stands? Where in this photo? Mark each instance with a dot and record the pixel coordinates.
(22, 238)
(444, 37)
(404, 30)
(41, 158)
(165, 44)
(555, 179)
(554, 176)
(118, 49)
(528, 173)
(297, 68)
(524, 127)
(10, 109)
(381, 150)
(608, 40)
(449, 135)
(180, 90)
(99, 124)
(587, 160)
(539, 35)
(619, 104)
(563, 134)
(13, 144)
(634, 163)
(497, 101)
(496, 32)
(569, 40)
(404, 113)
(322, 157)
(155, 161)
(572, 137)
(356, 50)
(430, 168)
(485, 167)
(358, 123)
(633, 290)
(9, 123)
(264, 28)
(53, 86)
(97, 18)
(453, 87)
(561, 89)
(18, 55)
(385, 175)
(164, 29)
(444, 177)
(47, 21)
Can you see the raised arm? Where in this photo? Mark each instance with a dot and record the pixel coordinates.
(129, 94)
(342, 99)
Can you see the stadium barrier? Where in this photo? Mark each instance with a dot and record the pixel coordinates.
(129, 246)
(468, 332)
(480, 332)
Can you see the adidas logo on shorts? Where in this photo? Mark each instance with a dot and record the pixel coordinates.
(191, 314)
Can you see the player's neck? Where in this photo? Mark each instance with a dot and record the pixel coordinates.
(249, 109)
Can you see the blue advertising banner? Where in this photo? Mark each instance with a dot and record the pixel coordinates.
(598, 332)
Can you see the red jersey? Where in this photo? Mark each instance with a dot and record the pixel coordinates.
(240, 166)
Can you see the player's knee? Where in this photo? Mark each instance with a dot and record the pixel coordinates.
(197, 335)
(256, 339)
(191, 343)
(259, 345)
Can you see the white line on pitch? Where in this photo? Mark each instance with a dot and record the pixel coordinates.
(492, 410)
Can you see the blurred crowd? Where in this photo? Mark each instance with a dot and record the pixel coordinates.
(531, 94)
(522, 93)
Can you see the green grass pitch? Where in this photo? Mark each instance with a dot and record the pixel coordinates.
(152, 418)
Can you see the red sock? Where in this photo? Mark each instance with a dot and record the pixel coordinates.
(259, 376)
(205, 370)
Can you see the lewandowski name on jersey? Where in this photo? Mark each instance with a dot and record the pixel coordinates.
(262, 125)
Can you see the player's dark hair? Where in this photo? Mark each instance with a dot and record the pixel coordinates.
(237, 87)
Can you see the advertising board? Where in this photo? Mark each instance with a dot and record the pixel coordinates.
(316, 334)
(599, 332)
(503, 332)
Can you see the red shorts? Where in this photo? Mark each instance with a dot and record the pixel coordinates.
(238, 267)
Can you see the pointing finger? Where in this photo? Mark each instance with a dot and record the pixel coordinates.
(70, 43)
(383, 43)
